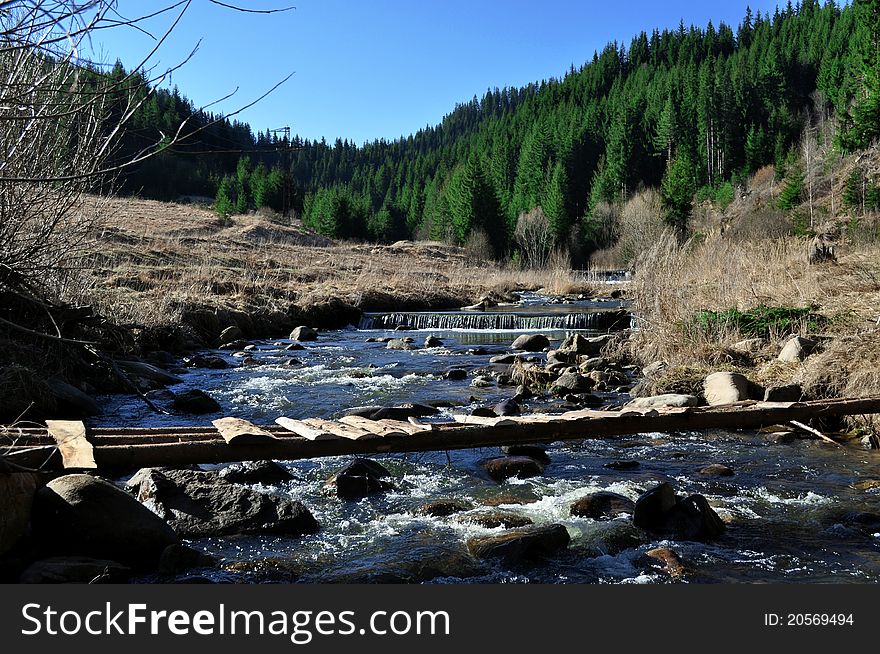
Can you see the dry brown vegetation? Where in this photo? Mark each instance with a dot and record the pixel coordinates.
(152, 260)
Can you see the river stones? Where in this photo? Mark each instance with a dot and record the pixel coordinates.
(197, 503)
(531, 343)
(149, 372)
(207, 361)
(503, 359)
(231, 333)
(623, 465)
(495, 519)
(398, 344)
(443, 508)
(536, 452)
(507, 408)
(572, 382)
(433, 341)
(716, 470)
(75, 570)
(87, 516)
(660, 511)
(358, 479)
(523, 544)
(603, 504)
(610, 537)
(506, 467)
(404, 411)
(665, 560)
(578, 344)
(665, 400)
(256, 472)
(455, 374)
(195, 402)
(304, 333)
(725, 388)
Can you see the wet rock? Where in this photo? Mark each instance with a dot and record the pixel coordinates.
(75, 570)
(231, 333)
(660, 511)
(622, 465)
(782, 437)
(304, 333)
(561, 356)
(433, 341)
(523, 393)
(404, 412)
(536, 452)
(665, 560)
(197, 503)
(379, 339)
(725, 388)
(234, 345)
(358, 479)
(584, 399)
(292, 363)
(398, 344)
(503, 359)
(603, 504)
(70, 401)
(868, 485)
(611, 537)
(17, 492)
(195, 402)
(484, 412)
(572, 382)
(495, 519)
(482, 381)
(207, 361)
(256, 472)
(506, 467)
(292, 347)
(651, 507)
(443, 508)
(797, 348)
(524, 544)
(716, 470)
(150, 372)
(455, 374)
(177, 559)
(531, 343)
(595, 363)
(788, 393)
(86, 516)
(507, 408)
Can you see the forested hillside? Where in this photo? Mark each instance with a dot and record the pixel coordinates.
(686, 110)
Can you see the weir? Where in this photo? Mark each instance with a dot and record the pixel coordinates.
(70, 445)
(596, 320)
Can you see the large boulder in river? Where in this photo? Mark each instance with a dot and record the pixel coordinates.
(531, 343)
(87, 516)
(303, 333)
(524, 544)
(507, 467)
(660, 511)
(603, 504)
(725, 388)
(195, 402)
(197, 503)
(359, 478)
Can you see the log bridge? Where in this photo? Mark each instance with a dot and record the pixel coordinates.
(70, 445)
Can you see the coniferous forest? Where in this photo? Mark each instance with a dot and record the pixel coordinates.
(690, 111)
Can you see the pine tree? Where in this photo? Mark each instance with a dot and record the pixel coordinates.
(223, 205)
(677, 193)
(555, 203)
(865, 112)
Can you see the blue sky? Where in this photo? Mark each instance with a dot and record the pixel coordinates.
(386, 68)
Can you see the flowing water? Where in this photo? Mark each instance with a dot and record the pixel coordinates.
(796, 512)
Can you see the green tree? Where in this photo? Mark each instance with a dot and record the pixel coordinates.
(223, 205)
(865, 112)
(474, 204)
(677, 193)
(555, 203)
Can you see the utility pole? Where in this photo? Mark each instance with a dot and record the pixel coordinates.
(287, 188)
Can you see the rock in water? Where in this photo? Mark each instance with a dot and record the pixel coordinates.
(496, 519)
(150, 372)
(603, 504)
(652, 506)
(725, 388)
(665, 560)
(507, 408)
(433, 341)
(71, 402)
(197, 504)
(176, 559)
(531, 343)
(196, 402)
(87, 516)
(398, 344)
(536, 452)
(505, 467)
(208, 361)
(230, 334)
(716, 470)
(359, 478)
(572, 382)
(303, 333)
(442, 508)
(524, 544)
(256, 472)
(455, 374)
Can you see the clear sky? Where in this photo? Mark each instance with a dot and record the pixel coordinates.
(368, 69)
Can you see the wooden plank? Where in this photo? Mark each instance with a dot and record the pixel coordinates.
(374, 426)
(236, 431)
(341, 430)
(484, 420)
(410, 428)
(307, 431)
(76, 451)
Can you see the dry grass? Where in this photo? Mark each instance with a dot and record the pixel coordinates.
(152, 260)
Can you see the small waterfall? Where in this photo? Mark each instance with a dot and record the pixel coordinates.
(592, 320)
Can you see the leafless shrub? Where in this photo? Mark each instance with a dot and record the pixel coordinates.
(534, 235)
